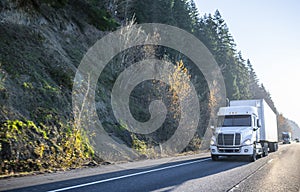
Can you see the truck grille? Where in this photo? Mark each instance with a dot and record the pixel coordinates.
(229, 139)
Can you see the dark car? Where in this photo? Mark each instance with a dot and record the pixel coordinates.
(297, 140)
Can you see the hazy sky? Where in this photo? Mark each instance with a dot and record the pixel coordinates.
(268, 33)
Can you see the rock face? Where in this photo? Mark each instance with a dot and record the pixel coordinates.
(41, 45)
(40, 50)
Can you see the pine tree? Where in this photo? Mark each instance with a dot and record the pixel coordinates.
(181, 15)
(154, 11)
(194, 15)
(243, 78)
(253, 80)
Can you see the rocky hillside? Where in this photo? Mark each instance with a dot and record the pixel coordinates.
(41, 44)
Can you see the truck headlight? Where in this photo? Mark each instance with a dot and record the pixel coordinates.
(247, 142)
(212, 142)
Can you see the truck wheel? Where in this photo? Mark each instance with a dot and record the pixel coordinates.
(215, 157)
(265, 150)
(252, 158)
(265, 153)
(272, 147)
(276, 146)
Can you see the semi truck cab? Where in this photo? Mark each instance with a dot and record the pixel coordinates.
(286, 137)
(236, 133)
(247, 128)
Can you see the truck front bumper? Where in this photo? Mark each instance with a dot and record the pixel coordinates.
(227, 151)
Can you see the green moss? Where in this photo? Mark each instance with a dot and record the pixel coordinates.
(48, 87)
(27, 146)
(38, 129)
(10, 130)
(139, 145)
(27, 85)
(13, 129)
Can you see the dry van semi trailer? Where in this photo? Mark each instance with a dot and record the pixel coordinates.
(245, 128)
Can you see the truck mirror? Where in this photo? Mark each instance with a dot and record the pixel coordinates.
(258, 123)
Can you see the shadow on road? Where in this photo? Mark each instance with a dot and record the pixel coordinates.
(147, 181)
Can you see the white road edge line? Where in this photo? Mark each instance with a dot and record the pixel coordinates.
(270, 160)
(243, 180)
(129, 175)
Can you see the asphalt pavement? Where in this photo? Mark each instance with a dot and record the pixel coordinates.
(279, 171)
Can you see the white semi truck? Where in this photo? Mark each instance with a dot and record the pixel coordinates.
(245, 128)
(286, 137)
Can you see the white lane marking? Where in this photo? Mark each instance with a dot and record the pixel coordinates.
(270, 160)
(129, 175)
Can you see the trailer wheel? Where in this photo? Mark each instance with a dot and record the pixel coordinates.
(215, 157)
(276, 146)
(272, 147)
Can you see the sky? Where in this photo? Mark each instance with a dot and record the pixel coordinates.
(268, 33)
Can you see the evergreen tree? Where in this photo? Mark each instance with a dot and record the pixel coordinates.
(243, 78)
(181, 15)
(194, 15)
(253, 80)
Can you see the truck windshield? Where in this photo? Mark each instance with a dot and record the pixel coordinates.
(234, 120)
(285, 136)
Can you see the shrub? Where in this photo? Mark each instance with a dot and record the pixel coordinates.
(139, 145)
(25, 146)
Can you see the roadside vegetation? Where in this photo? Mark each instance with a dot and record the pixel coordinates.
(27, 147)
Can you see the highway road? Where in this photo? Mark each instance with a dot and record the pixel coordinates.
(280, 171)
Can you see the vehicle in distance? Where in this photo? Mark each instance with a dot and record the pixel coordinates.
(245, 128)
(286, 137)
